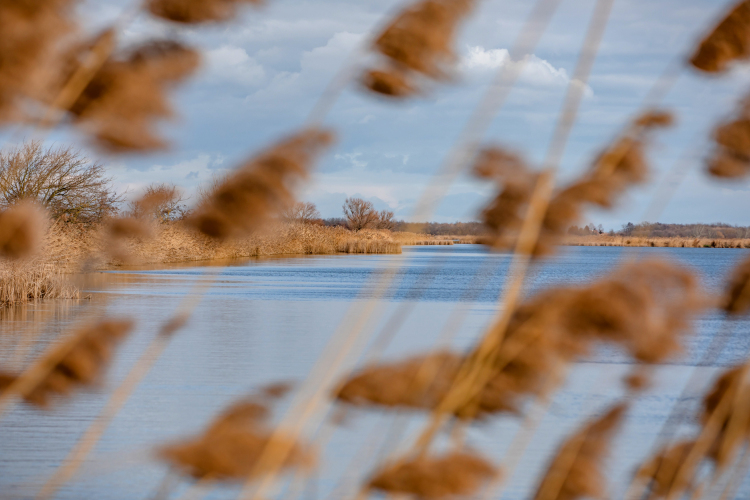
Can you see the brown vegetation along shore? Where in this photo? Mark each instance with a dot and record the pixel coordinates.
(641, 241)
(407, 238)
(70, 248)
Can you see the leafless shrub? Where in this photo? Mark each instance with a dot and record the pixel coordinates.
(61, 179)
(260, 188)
(385, 220)
(304, 212)
(452, 475)
(360, 214)
(162, 202)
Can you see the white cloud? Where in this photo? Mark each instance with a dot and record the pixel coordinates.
(536, 71)
(353, 159)
(232, 64)
(317, 67)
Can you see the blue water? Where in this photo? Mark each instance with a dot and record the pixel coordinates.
(270, 319)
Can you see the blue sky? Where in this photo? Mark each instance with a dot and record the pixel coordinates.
(263, 72)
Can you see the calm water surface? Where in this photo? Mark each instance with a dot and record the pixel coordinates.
(268, 320)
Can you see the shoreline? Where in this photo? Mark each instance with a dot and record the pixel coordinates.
(644, 241)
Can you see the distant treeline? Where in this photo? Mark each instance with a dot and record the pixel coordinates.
(432, 228)
(659, 230)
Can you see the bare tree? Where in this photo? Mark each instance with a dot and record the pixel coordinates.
(385, 220)
(61, 179)
(206, 190)
(160, 201)
(360, 214)
(305, 212)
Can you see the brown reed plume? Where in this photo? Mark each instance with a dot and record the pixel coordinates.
(229, 449)
(418, 42)
(124, 99)
(576, 469)
(617, 168)
(730, 158)
(196, 11)
(79, 361)
(735, 425)
(22, 229)
(515, 181)
(644, 307)
(725, 427)
(736, 299)
(729, 41)
(660, 472)
(455, 474)
(32, 31)
(260, 188)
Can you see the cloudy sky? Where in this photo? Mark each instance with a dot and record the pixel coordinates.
(263, 73)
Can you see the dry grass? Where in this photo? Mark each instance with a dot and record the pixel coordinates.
(174, 242)
(369, 246)
(639, 241)
(31, 281)
(408, 238)
(44, 275)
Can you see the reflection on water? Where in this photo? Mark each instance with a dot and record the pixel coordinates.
(269, 319)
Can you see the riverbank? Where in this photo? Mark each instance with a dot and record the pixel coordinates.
(641, 241)
(73, 248)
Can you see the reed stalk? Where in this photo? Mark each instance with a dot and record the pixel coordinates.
(480, 120)
(477, 370)
(35, 373)
(708, 434)
(737, 475)
(673, 420)
(94, 432)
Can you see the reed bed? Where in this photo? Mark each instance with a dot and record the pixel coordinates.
(641, 241)
(32, 281)
(408, 238)
(369, 246)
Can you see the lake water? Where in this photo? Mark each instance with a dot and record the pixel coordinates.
(267, 320)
